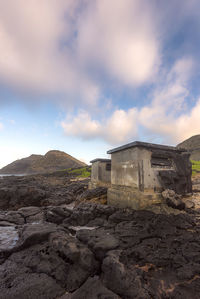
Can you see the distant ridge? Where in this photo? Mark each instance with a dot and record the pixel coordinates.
(52, 161)
(192, 144)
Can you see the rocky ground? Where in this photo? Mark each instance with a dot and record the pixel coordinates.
(48, 249)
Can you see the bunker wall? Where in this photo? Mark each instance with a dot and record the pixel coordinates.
(100, 174)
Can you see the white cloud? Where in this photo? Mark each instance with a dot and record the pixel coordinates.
(82, 126)
(58, 46)
(119, 127)
(68, 46)
(187, 125)
(1, 126)
(167, 116)
(169, 102)
(121, 37)
(33, 44)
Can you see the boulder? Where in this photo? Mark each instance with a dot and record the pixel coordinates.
(86, 212)
(94, 289)
(128, 283)
(20, 196)
(97, 195)
(99, 241)
(189, 204)
(19, 283)
(32, 234)
(57, 214)
(173, 200)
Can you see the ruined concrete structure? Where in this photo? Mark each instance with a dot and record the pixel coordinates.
(141, 171)
(101, 173)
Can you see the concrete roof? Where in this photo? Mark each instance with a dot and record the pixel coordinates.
(146, 145)
(100, 160)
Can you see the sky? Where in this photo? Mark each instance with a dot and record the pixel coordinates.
(85, 76)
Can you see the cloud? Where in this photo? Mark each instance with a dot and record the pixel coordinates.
(119, 127)
(58, 46)
(187, 124)
(34, 54)
(76, 48)
(168, 116)
(169, 102)
(1, 126)
(82, 126)
(121, 37)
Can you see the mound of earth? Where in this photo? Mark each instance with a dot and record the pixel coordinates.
(52, 161)
(192, 144)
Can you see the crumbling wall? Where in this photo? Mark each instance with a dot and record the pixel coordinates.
(179, 178)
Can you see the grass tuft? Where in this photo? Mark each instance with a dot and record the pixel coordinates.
(83, 172)
(195, 167)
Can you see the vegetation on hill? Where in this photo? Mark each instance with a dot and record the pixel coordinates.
(195, 167)
(83, 172)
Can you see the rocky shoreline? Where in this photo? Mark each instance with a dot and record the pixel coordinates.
(48, 249)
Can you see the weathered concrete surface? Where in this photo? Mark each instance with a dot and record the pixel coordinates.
(100, 173)
(140, 173)
(127, 197)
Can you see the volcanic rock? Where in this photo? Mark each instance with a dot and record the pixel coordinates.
(97, 195)
(173, 200)
(94, 251)
(94, 289)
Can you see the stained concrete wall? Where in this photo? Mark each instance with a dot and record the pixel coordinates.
(133, 168)
(100, 175)
(125, 168)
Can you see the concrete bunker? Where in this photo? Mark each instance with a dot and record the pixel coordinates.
(101, 173)
(141, 171)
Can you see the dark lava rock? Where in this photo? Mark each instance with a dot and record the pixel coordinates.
(16, 197)
(94, 289)
(98, 195)
(27, 285)
(173, 200)
(32, 214)
(13, 217)
(57, 214)
(92, 251)
(99, 241)
(45, 254)
(125, 281)
(39, 190)
(32, 234)
(86, 212)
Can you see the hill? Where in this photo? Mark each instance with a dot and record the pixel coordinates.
(52, 161)
(192, 144)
